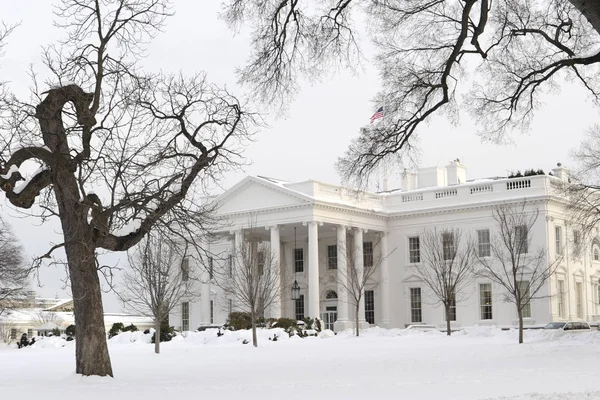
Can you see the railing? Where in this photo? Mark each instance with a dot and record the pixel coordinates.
(445, 193)
(520, 184)
(485, 188)
(407, 198)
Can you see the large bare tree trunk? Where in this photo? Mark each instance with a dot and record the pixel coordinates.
(254, 339)
(92, 356)
(448, 328)
(591, 10)
(157, 336)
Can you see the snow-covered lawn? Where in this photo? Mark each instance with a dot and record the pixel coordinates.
(479, 363)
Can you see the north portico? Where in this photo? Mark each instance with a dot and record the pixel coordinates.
(306, 239)
(312, 226)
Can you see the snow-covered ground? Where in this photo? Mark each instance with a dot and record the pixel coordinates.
(478, 363)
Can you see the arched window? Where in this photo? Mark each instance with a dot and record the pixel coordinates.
(596, 254)
(331, 294)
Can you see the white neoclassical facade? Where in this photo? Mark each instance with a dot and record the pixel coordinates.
(306, 222)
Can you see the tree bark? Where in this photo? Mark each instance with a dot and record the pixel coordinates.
(254, 339)
(356, 319)
(448, 328)
(91, 350)
(520, 314)
(590, 10)
(157, 336)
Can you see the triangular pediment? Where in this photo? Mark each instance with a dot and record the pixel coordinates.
(257, 194)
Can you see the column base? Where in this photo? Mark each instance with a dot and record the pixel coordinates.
(342, 325)
(363, 324)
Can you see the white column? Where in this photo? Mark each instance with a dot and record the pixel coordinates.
(275, 311)
(313, 270)
(359, 265)
(385, 282)
(342, 322)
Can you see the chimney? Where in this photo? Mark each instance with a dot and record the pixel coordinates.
(457, 173)
(561, 172)
(432, 176)
(409, 180)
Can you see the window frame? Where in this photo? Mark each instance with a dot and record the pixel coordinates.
(185, 269)
(558, 243)
(579, 299)
(521, 230)
(368, 259)
(299, 308)
(560, 288)
(298, 261)
(453, 307)
(332, 256)
(212, 311)
(482, 245)
(211, 269)
(185, 316)
(486, 309)
(370, 306)
(414, 252)
(526, 308)
(413, 302)
(448, 246)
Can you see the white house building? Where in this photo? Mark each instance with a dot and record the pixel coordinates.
(306, 222)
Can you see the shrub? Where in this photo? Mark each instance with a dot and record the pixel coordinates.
(116, 328)
(70, 338)
(239, 320)
(286, 324)
(146, 331)
(130, 328)
(70, 331)
(166, 332)
(55, 332)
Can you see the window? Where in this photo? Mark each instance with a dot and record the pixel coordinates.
(448, 245)
(416, 314)
(185, 269)
(558, 240)
(13, 333)
(521, 240)
(414, 250)
(212, 312)
(523, 287)
(260, 261)
(332, 257)
(483, 243)
(598, 292)
(485, 300)
(29, 333)
(579, 299)
(452, 311)
(368, 254)
(300, 308)
(596, 254)
(576, 242)
(331, 294)
(561, 298)
(210, 268)
(230, 265)
(370, 306)
(185, 316)
(299, 260)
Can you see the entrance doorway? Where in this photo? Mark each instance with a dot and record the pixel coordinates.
(329, 316)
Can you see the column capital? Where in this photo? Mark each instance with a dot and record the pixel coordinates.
(341, 226)
(356, 229)
(275, 227)
(306, 223)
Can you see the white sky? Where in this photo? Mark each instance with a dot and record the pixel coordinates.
(321, 120)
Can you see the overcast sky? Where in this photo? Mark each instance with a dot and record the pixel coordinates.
(319, 125)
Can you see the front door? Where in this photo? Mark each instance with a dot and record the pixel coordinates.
(329, 316)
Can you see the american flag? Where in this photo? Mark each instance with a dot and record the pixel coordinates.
(377, 115)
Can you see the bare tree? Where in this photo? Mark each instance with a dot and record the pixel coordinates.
(514, 265)
(6, 328)
(254, 281)
(360, 273)
(446, 267)
(513, 48)
(148, 145)
(158, 277)
(13, 271)
(45, 317)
